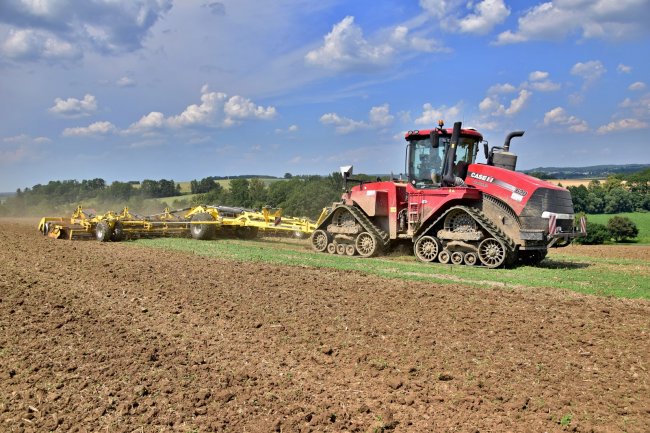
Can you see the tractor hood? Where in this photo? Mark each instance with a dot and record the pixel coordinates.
(515, 189)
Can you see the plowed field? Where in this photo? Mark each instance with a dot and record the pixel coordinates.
(114, 337)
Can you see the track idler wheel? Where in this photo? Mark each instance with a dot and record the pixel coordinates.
(103, 231)
(492, 253)
(426, 248)
(331, 248)
(367, 245)
(320, 239)
(349, 250)
(340, 249)
(444, 256)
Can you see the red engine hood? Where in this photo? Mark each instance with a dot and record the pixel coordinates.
(511, 187)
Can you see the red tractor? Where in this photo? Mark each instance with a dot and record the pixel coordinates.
(452, 209)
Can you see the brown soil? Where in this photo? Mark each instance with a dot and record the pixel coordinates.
(634, 252)
(114, 337)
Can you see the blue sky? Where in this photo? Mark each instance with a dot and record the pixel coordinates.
(135, 89)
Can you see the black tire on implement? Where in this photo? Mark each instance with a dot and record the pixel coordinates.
(118, 232)
(103, 231)
(202, 231)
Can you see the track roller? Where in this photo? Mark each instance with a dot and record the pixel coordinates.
(457, 258)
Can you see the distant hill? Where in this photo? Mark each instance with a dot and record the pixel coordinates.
(591, 172)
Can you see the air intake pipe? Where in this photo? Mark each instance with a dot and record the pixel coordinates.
(450, 156)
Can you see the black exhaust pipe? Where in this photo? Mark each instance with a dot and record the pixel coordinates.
(513, 134)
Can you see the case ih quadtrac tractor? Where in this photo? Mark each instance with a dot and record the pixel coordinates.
(451, 208)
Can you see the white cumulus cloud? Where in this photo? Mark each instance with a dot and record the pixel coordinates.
(540, 81)
(590, 71)
(430, 114)
(639, 85)
(487, 14)
(73, 108)
(559, 116)
(94, 129)
(623, 69)
(603, 19)
(346, 48)
(29, 44)
(378, 117)
(62, 30)
(622, 125)
(216, 110)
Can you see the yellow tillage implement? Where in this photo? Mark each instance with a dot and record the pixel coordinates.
(200, 222)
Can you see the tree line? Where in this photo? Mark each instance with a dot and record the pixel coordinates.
(300, 195)
(619, 193)
(296, 195)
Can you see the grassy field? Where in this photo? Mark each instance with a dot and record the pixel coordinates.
(624, 278)
(642, 221)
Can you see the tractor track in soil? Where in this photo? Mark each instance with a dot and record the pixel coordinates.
(119, 338)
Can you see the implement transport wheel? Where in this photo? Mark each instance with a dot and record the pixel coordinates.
(202, 231)
(426, 248)
(103, 231)
(118, 232)
(444, 256)
(471, 259)
(366, 244)
(492, 253)
(319, 240)
(349, 250)
(457, 258)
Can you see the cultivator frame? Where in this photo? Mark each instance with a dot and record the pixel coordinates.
(199, 222)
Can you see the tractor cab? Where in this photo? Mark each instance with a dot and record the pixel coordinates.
(435, 159)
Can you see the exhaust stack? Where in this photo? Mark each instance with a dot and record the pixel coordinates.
(502, 157)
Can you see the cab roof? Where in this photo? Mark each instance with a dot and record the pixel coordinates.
(423, 133)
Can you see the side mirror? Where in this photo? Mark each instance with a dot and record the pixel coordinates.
(485, 149)
(435, 140)
(346, 171)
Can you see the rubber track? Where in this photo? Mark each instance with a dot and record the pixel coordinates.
(485, 223)
(366, 223)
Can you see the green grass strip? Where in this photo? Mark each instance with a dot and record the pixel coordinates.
(601, 277)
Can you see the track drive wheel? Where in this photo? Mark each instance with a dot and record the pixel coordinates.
(202, 231)
(319, 240)
(492, 253)
(118, 232)
(367, 245)
(426, 248)
(103, 231)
